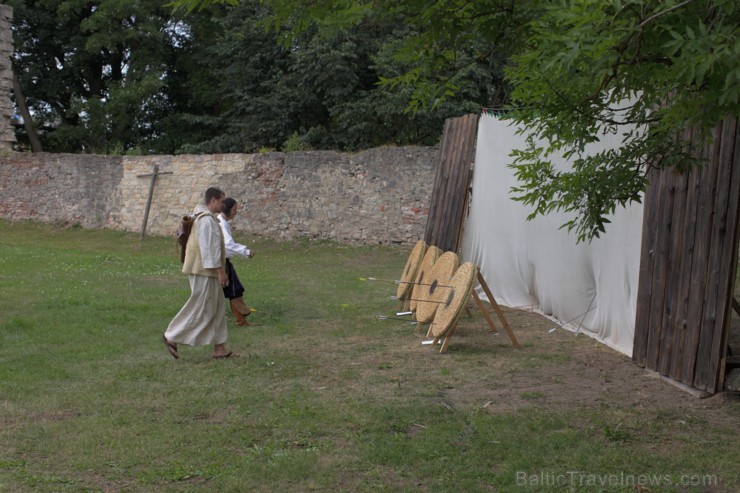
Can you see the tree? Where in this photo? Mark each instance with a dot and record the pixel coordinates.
(20, 102)
(592, 67)
(337, 77)
(119, 76)
(278, 85)
(444, 43)
(223, 92)
(578, 68)
(93, 71)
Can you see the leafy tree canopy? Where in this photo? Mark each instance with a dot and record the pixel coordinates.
(643, 69)
(275, 89)
(592, 67)
(112, 76)
(93, 72)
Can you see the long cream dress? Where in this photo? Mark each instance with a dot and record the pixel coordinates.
(202, 320)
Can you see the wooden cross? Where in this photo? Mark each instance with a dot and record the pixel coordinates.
(155, 172)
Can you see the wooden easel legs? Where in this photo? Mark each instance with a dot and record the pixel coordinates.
(486, 315)
(492, 326)
(497, 308)
(445, 339)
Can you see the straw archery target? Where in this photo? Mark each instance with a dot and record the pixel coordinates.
(406, 283)
(435, 287)
(454, 301)
(427, 262)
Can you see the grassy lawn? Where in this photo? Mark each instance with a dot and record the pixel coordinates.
(325, 396)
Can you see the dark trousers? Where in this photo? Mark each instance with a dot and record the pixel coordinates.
(235, 288)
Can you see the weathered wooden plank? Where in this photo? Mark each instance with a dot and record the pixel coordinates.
(676, 260)
(454, 158)
(702, 379)
(435, 205)
(702, 243)
(440, 225)
(729, 257)
(683, 287)
(722, 261)
(647, 264)
(674, 306)
(732, 256)
(661, 249)
(462, 184)
(463, 209)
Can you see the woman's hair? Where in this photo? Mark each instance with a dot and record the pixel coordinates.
(229, 204)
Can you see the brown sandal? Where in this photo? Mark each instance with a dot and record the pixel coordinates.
(171, 347)
(230, 354)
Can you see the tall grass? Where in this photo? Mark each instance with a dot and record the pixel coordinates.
(325, 397)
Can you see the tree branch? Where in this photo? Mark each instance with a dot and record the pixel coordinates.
(666, 11)
(20, 100)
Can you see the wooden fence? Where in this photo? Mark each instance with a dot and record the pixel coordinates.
(687, 269)
(451, 184)
(691, 229)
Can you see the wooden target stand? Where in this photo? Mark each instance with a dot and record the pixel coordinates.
(447, 335)
(486, 315)
(420, 262)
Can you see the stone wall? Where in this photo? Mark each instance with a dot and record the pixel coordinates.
(376, 196)
(59, 187)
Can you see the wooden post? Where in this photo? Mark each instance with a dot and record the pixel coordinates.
(500, 314)
(155, 172)
(486, 315)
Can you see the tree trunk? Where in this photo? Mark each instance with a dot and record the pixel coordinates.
(20, 100)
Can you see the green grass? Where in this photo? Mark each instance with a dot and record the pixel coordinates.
(324, 398)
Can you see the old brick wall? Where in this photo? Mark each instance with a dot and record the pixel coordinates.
(376, 196)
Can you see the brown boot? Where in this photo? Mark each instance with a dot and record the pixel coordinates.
(238, 315)
(238, 305)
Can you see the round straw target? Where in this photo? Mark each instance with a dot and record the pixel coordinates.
(436, 287)
(406, 283)
(454, 300)
(422, 274)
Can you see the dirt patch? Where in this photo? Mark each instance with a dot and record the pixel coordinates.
(557, 370)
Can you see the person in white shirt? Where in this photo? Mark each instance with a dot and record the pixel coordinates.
(234, 290)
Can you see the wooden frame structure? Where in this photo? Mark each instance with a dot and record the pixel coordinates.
(452, 183)
(687, 270)
(445, 338)
(449, 206)
(689, 252)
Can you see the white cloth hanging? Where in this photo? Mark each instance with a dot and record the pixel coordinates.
(586, 287)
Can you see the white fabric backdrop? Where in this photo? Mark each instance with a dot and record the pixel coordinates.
(587, 287)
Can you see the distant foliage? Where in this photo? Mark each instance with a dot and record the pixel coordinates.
(296, 143)
(240, 75)
(94, 73)
(110, 76)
